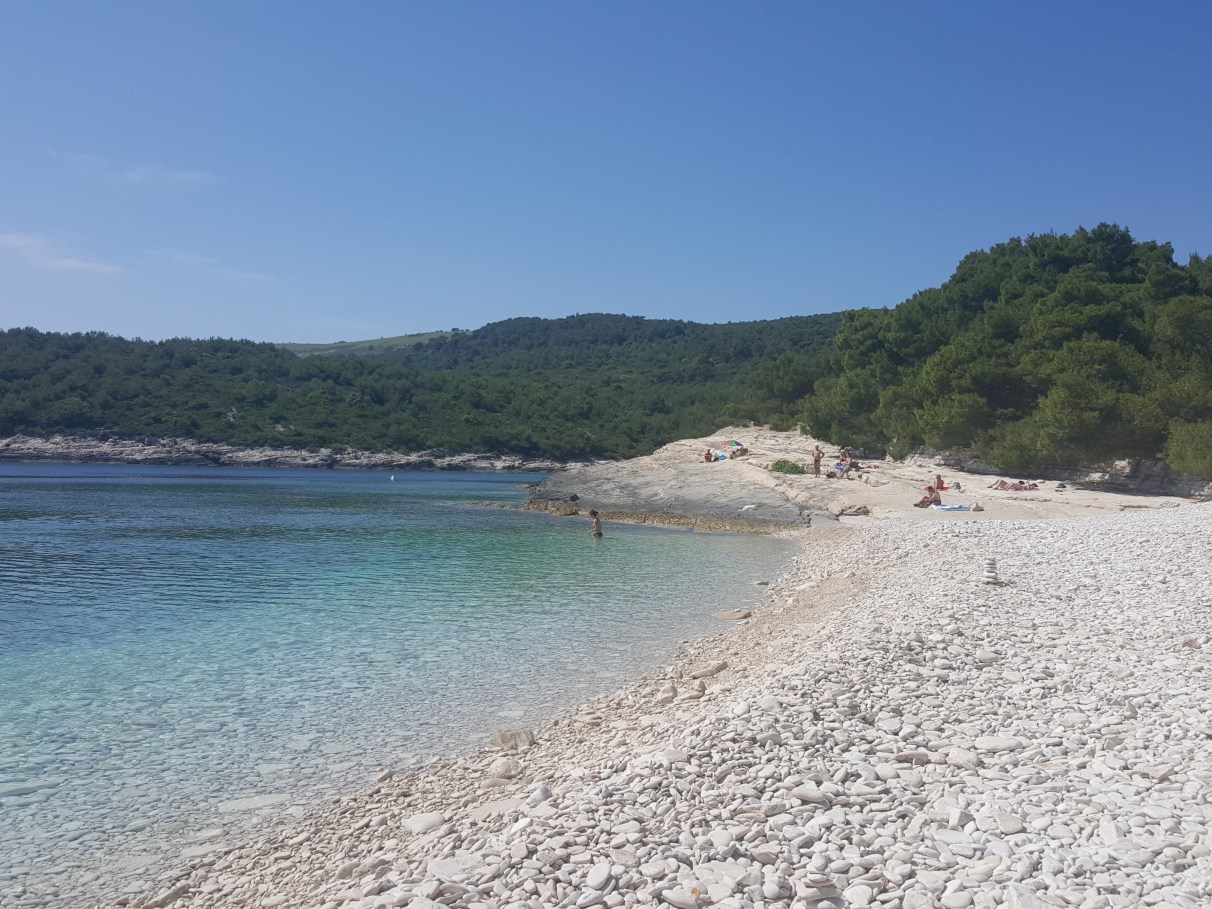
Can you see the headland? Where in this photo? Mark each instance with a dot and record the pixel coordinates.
(677, 486)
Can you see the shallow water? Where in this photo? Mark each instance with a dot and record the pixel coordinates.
(187, 653)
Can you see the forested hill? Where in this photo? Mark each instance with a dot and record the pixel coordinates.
(600, 385)
(1056, 350)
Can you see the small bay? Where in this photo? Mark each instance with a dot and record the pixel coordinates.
(188, 653)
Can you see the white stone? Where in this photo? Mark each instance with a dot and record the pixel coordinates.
(506, 768)
(680, 898)
(599, 876)
(994, 743)
(423, 823)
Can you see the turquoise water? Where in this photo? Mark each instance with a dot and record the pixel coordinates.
(175, 642)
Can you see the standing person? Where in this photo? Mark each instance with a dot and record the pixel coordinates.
(817, 455)
(596, 529)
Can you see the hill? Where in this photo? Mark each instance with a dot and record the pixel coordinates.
(1057, 350)
(1054, 350)
(587, 385)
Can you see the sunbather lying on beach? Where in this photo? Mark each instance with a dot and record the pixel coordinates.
(1020, 486)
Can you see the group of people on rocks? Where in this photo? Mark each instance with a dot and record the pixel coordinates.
(733, 453)
(845, 466)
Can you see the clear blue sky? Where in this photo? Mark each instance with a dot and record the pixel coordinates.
(336, 171)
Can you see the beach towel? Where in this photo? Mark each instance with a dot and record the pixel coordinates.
(951, 507)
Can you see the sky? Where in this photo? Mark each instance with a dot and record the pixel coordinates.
(318, 172)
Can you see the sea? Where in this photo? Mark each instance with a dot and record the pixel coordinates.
(190, 654)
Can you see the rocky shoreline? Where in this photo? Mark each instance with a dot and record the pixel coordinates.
(150, 450)
(676, 486)
(1009, 709)
(1027, 724)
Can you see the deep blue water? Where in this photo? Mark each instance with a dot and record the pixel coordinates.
(172, 639)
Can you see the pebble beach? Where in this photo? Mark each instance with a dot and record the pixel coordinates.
(918, 714)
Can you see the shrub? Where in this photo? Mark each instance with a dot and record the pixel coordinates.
(787, 467)
(1189, 449)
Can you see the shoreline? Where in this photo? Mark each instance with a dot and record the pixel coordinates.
(888, 682)
(168, 452)
(1017, 734)
(211, 828)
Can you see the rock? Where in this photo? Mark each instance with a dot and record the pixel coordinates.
(811, 794)
(765, 854)
(707, 672)
(734, 615)
(1008, 823)
(721, 837)
(599, 876)
(505, 768)
(423, 823)
(496, 808)
(460, 866)
(513, 738)
(995, 743)
(1017, 896)
(680, 898)
(168, 897)
(539, 796)
(589, 898)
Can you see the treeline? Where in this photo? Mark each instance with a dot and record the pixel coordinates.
(599, 385)
(1056, 350)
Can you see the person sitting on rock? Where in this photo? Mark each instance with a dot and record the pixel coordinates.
(709, 456)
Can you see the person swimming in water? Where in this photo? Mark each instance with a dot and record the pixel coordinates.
(596, 528)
